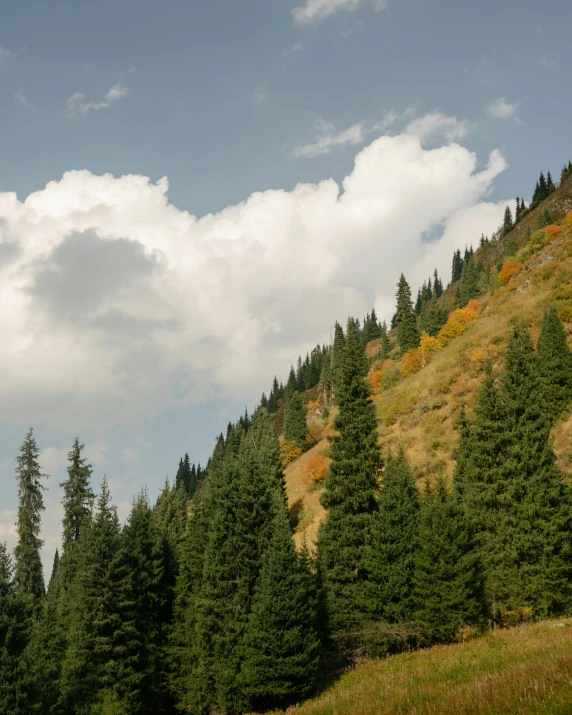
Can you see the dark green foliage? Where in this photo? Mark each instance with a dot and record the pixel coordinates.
(295, 426)
(394, 543)
(508, 224)
(511, 249)
(457, 266)
(554, 365)
(337, 356)
(349, 495)
(514, 493)
(385, 345)
(433, 317)
(13, 690)
(407, 332)
(448, 589)
(78, 496)
(145, 557)
(103, 654)
(281, 646)
(469, 286)
(437, 285)
(28, 574)
(171, 519)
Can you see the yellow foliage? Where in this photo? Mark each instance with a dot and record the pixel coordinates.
(509, 270)
(568, 218)
(289, 451)
(313, 407)
(457, 322)
(428, 344)
(317, 466)
(412, 362)
(477, 358)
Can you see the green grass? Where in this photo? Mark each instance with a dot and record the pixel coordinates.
(525, 670)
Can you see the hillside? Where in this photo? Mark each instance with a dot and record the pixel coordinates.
(419, 411)
(525, 670)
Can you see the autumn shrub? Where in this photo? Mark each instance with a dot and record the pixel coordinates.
(457, 322)
(289, 451)
(317, 468)
(551, 232)
(374, 380)
(509, 269)
(390, 377)
(315, 433)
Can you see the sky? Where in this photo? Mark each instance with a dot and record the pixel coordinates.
(191, 193)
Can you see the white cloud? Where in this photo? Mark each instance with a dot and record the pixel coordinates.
(53, 459)
(77, 106)
(5, 54)
(21, 99)
(115, 304)
(316, 10)
(437, 126)
(327, 138)
(501, 109)
(295, 49)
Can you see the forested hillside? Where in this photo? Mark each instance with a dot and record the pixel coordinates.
(404, 487)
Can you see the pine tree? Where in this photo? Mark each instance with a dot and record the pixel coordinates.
(448, 589)
(349, 495)
(469, 282)
(145, 558)
(13, 691)
(407, 332)
(394, 543)
(295, 426)
(28, 574)
(281, 646)
(102, 659)
(78, 496)
(554, 365)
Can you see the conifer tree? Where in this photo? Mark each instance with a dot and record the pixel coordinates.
(433, 317)
(281, 647)
(102, 659)
(554, 365)
(337, 356)
(13, 691)
(349, 495)
(457, 266)
(507, 225)
(295, 426)
(544, 218)
(448, 590)
(385, 345)
(437, 285)
(394, 543)
(28, 574)
(78, 496)
(407, 332)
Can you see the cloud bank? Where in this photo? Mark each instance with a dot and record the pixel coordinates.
(115, 304)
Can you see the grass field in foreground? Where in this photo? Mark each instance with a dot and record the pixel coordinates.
(523, 670)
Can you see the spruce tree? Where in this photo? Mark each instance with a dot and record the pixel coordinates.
(437, 285)
(385, 345)
(337, 356)
(407, 332)
(78, 496)
(281, 645)
(349, 495)
(554, 365)
(295, 426)
(394, 543)
(448, 589)
(507, 225)
(13, 690)
(28, 574)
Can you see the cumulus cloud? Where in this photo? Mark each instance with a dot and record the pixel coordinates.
(438, 126)
(316, 10)
(78, 106)
(115, 304)
(501, 109)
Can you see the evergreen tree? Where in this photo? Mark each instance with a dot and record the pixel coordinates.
(78, 496)
(554, 365)
(433, 317)
(183, 478)
(457, 267)
(507, 225)
(517, 211)
(13, 691)
(385, 345)
(469, 282)
(544, 218)
(448, 589)
(102, 659)
(349, 494)
(145, 558)
(437, 285)
(28, 574)
(281, 648)
(394, 543)
(337, 355)
(295, 426)
(407, 332)
(543, 188)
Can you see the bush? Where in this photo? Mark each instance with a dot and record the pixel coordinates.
(374, 380)
(318, 465)
(390, 377)
(289, 451)
(509, 270)
(457, 322)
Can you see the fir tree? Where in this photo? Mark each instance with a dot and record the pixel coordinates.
(394, 543)
(13, 690)
(448, 589)
(385, 345)
(507, 225)
(554, 365)
(349, 494)
(281, 647)
(295, 426)
(78, 496)
(437, 285)
(337, 355)
(28, 574)
(407, 332)
(433, 317)
(543, 218)
(457, 266)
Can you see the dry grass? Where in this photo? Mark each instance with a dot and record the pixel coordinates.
(521, 671)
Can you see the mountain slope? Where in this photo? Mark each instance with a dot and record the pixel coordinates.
(420, 410)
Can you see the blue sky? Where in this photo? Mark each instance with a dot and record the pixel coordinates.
(142, 324)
